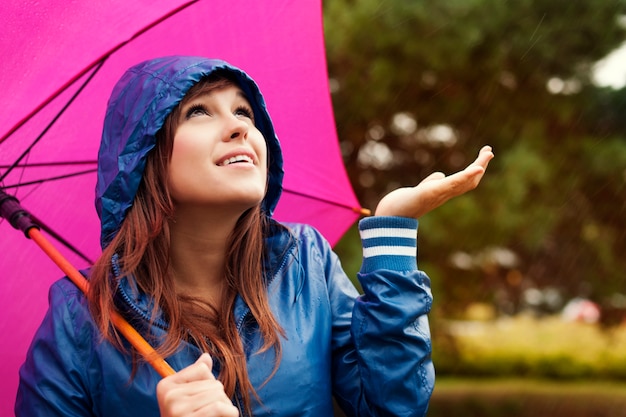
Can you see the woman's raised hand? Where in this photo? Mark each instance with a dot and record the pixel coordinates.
(434, 190)
(194, 391)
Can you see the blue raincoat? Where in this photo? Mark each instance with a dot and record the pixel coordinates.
(370, 352)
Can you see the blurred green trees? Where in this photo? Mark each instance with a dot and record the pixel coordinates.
(419, 86)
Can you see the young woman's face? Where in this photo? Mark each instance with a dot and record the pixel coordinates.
(219, 157)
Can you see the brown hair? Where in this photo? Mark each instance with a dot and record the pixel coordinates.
(142, 245)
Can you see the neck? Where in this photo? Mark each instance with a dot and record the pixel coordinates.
(198, 245)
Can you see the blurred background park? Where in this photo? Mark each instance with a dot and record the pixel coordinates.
(529, 270)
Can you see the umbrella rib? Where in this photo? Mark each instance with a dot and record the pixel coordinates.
(58, 177)
(52, 122)
(98, 62)
(360, 210)
(51, 164)
(60, 239)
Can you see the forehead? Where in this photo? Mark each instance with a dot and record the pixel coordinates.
(210, 84)
(225, 92)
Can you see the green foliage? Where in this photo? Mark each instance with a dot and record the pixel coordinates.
(479, 71)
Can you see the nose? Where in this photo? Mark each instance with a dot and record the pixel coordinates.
(237, 129)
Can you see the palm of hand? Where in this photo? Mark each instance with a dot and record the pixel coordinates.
(434, 190)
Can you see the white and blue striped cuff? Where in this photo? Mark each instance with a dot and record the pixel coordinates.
(388, 243)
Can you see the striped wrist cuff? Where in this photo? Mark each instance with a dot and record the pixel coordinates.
(388, 243)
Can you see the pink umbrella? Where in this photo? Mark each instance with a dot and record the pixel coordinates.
(59, 64)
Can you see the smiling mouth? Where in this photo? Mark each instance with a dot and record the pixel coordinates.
(235, 160)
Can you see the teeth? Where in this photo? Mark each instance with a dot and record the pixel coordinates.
(238, 158)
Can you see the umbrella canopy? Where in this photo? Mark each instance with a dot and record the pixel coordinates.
(60, 62)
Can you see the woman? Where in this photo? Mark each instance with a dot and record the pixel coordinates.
(258, 317)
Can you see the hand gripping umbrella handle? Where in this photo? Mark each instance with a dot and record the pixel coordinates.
(19, 218)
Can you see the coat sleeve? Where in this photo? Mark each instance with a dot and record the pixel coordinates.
(381, 340)
(52, 379)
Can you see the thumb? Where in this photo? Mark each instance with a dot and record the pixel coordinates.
(434, 176)
(206, 359)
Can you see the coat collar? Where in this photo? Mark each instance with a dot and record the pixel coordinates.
(133, 303)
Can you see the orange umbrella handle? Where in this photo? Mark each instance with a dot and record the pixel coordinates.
(20, 219)
(135, 339)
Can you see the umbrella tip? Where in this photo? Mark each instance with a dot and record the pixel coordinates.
(362, 211)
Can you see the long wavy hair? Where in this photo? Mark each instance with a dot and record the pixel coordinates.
(142, 246)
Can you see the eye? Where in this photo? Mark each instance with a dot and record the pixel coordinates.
(196, 110)
(245, 111)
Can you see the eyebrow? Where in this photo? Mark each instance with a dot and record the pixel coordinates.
(191, 102)
(240, 94)
(243, 95)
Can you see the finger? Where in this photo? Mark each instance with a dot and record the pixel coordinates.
(471, 172)
(183, 399)
(218, 409)
(209, 395)
(468, 178)
(199, 370)
(475, 171)
(462, 181)
(205, 392)
(484, 156)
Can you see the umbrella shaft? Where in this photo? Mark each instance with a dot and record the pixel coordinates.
(138, 342)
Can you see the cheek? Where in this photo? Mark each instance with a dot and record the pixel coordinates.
(183, 147)
(188, 151)
(185, 154)
(265, 166)
(260, 147)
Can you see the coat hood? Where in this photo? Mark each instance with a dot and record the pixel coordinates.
(141, 101)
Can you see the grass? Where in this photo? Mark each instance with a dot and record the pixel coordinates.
(524, 366)
(530, 347)
(527, 397)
